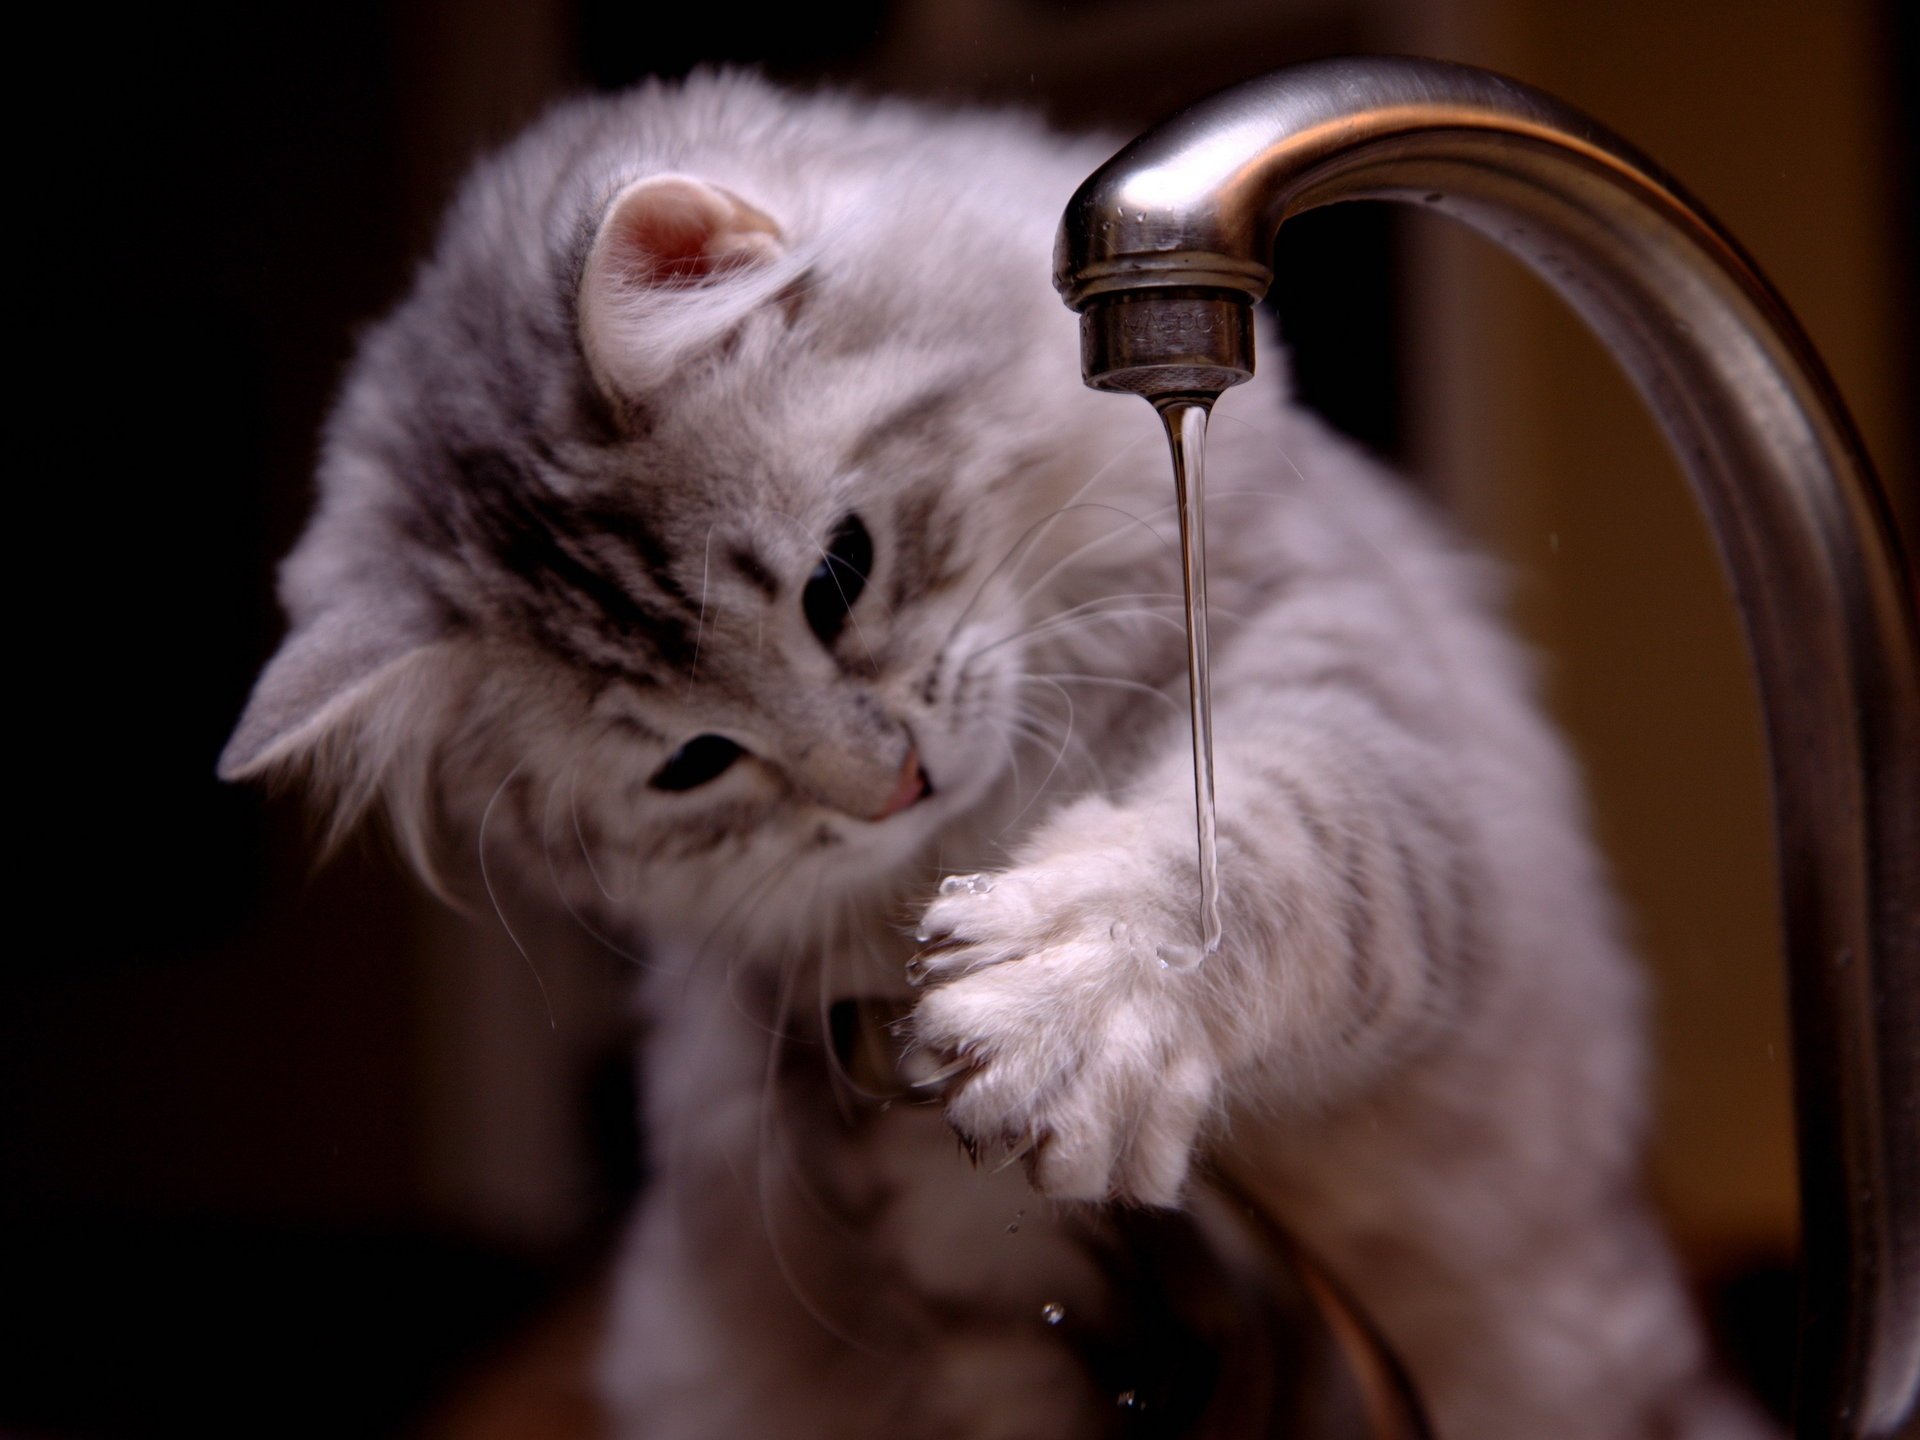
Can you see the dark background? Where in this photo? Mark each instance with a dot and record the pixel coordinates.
(286, 1148)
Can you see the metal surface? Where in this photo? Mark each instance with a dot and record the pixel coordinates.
(1182, 222)
(1166, 345)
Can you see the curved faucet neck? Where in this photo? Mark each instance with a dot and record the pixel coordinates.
(1176, 232)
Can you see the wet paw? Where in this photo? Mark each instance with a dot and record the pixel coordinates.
(1060, 1018)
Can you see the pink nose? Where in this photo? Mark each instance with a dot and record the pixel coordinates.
(911, 787)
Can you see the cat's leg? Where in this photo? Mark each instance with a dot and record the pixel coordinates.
(801, 1268)
(711, 1334)
(725, 1324)
(1419, 1027)
(1069, 993)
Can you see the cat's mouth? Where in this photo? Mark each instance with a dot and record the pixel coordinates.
(913, 786)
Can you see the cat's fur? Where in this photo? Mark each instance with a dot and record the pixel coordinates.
(568, 505)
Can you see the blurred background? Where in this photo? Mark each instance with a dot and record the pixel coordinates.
(292, 1149)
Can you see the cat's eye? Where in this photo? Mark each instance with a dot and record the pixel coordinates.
(703, 758)
(837, 580)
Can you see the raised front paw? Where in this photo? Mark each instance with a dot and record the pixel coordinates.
(1069, 1028)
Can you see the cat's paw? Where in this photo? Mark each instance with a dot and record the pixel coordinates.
(1067, 1028)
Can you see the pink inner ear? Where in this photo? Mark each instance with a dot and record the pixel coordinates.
(678, 229)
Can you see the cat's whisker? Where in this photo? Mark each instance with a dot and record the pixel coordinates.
(1066, 624)
(579, 834)
(1029, 538)
(1040, 726)
(1051, 727)
(844, 1083)
(1049, 627)
(811, 540)
(838, 931)
(1013, 757)
(769, 1143)
(1052, 770)
(1020, 790)
(1027, 708)
(493, 898)
(1047, 734)
(772, 1136)
(1163, 512)
(837, 1076)
(740, 909)
(1035, 724)
(1100, 473)
(1114, 681)
(1087, 547)
(742, 905)
(1090, 606)
(560, 889)
(1071, 558)
(700, 629)
(834, 573)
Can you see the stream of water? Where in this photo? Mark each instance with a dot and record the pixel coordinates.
(1186, 420)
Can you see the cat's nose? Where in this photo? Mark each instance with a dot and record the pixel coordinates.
(910, 788)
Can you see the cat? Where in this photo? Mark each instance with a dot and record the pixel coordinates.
(720, 538)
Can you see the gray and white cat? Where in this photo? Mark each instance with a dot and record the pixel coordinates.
(722, 528)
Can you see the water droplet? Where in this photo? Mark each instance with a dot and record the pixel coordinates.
(1120, 932)
(1130, 1400)
(1178, 958)
(966, 885)
(923, 935)
(1053, 1312)
(1013, 1229)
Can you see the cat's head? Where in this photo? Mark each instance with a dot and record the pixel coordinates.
(674, 532)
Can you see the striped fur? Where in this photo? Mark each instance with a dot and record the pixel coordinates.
(524, 587)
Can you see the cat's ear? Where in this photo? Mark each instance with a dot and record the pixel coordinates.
(670, 229)
(662, 240)
(325, 679)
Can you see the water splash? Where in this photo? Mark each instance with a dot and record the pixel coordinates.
(966, 885)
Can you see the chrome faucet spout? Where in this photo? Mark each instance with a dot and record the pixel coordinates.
(1165, 249)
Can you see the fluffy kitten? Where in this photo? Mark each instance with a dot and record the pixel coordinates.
(720, 534)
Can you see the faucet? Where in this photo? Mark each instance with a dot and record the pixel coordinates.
(1166, 248)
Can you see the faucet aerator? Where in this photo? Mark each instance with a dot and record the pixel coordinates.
(1167, 344)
